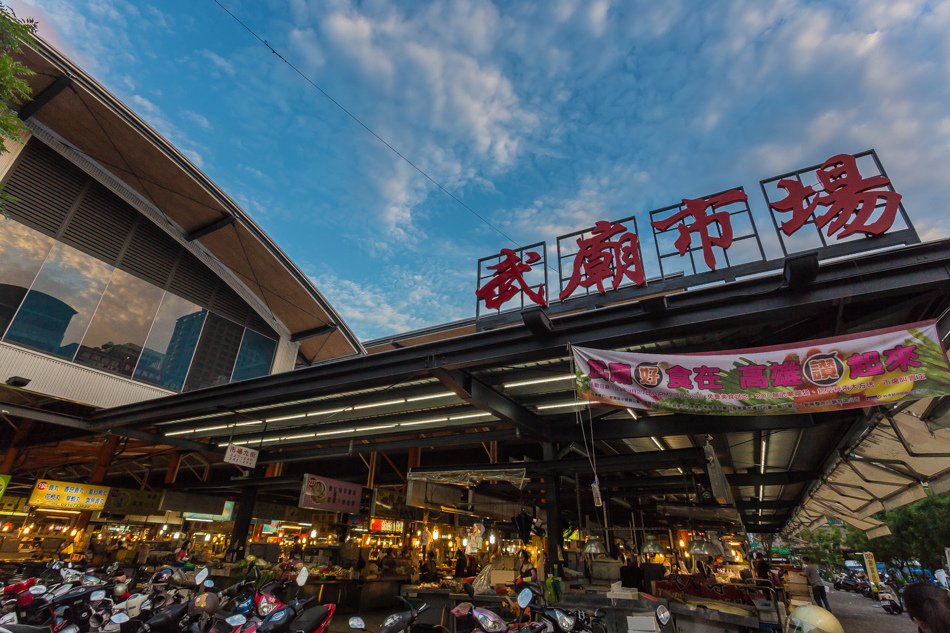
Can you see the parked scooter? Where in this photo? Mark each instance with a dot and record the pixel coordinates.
(890, 600)
(401, 622)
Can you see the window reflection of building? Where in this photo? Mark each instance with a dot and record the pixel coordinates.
(42, 322)
(54, 297)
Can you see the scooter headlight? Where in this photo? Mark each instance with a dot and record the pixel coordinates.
(489, 625)
(565, 621)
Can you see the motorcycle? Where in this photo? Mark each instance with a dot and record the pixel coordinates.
(401, 622)
(557, 620)
(890, 601)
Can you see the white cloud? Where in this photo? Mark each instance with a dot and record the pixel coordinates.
(154, 116)
(219, 62)
(199, 120)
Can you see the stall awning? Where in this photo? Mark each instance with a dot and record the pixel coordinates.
(895, 464)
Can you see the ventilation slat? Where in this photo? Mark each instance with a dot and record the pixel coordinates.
(151, 254)
(100, 225)
(193, 281)
(45, 186)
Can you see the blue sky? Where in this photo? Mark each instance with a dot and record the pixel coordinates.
(543, 117)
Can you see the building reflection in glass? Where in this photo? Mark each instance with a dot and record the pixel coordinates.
(171, 343)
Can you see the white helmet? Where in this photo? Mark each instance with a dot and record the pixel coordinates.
(812, 619)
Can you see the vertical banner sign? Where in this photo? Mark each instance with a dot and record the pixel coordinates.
(4, 480)
(63, 494)
(871, 566)
(241, 456)
(848, 372)
(330, 495)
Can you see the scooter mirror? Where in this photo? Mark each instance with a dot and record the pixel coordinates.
(236, 620)
(357, 623)
(113, 567)
(71, 628)
(96, 596)
(662, 615)
(469, 589)
(38, 590)
(120, 589)
(202, 575)
(209, 583)
(119, 618)
(9, 618)
(524, 598)
(302, 576)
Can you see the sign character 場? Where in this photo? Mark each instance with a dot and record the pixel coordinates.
(851, 200)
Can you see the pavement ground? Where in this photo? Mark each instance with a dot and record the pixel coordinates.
(858, 614)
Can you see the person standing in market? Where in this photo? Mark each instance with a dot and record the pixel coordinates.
(762, 567)
(815, 584)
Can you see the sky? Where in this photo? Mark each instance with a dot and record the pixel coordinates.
(541, 117)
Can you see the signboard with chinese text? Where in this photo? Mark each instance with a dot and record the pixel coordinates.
(125, 501)
(871, 567)
(386, 525)
(8, 505)
(4, 480)
(63, 494)
(241, 456)
(832, 208)
(388, 503)
(320, 493)
(884, 366)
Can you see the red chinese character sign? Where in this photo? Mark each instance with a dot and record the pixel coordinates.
(884, 366)
(515, 274)
(608, 252)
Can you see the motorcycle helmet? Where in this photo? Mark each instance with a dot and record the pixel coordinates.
(205, 603)
(161, 578)
(812, 619)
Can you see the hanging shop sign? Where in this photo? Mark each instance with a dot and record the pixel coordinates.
(4, 480)
(883, 366)
(705, 240)
(320, 493)
(9, 505)
(388, 503)
(49, 493)
(124, 501)
(241, 456)
(386, 525)
(200, 516)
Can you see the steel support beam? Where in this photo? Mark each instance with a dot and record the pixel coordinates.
(62, 82)
(664, 425)
(480, 395)
(773, 479)
(313, 332)
(455, 439)
(873, 277)
(208, 229)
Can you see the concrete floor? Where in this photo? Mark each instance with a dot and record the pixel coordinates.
(858, 614)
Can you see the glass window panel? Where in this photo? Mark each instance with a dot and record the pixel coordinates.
(171, 343)
(214, 357)
(22, 253)
(118, 330)
(255, 356)
(56, 311)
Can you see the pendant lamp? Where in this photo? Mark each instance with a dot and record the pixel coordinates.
(651, 545)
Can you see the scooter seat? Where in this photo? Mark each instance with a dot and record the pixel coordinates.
(310, 620)
(24, 628)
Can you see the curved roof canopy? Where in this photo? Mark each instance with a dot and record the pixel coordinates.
(91, 119)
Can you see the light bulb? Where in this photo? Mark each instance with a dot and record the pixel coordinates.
(687, 554)
(207, 537)
(176, 535)
(313, 534)
(435, 534)
(73, 533)
(491, 539)
(682, 544)
(464, 542)
(164, 527)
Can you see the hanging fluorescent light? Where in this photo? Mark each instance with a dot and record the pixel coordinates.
(539, 381)
(561, 405)
(429, 421)
(379, 404)
(657, 442)
(633, 414)
(471, 415)
(328, 411)
(431, 396)
(287, 417)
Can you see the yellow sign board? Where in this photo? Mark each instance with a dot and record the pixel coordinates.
(49, 493)
(871, 566)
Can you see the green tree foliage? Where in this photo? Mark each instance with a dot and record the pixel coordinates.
(919, 532)
(823, 546)
(13, 89)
